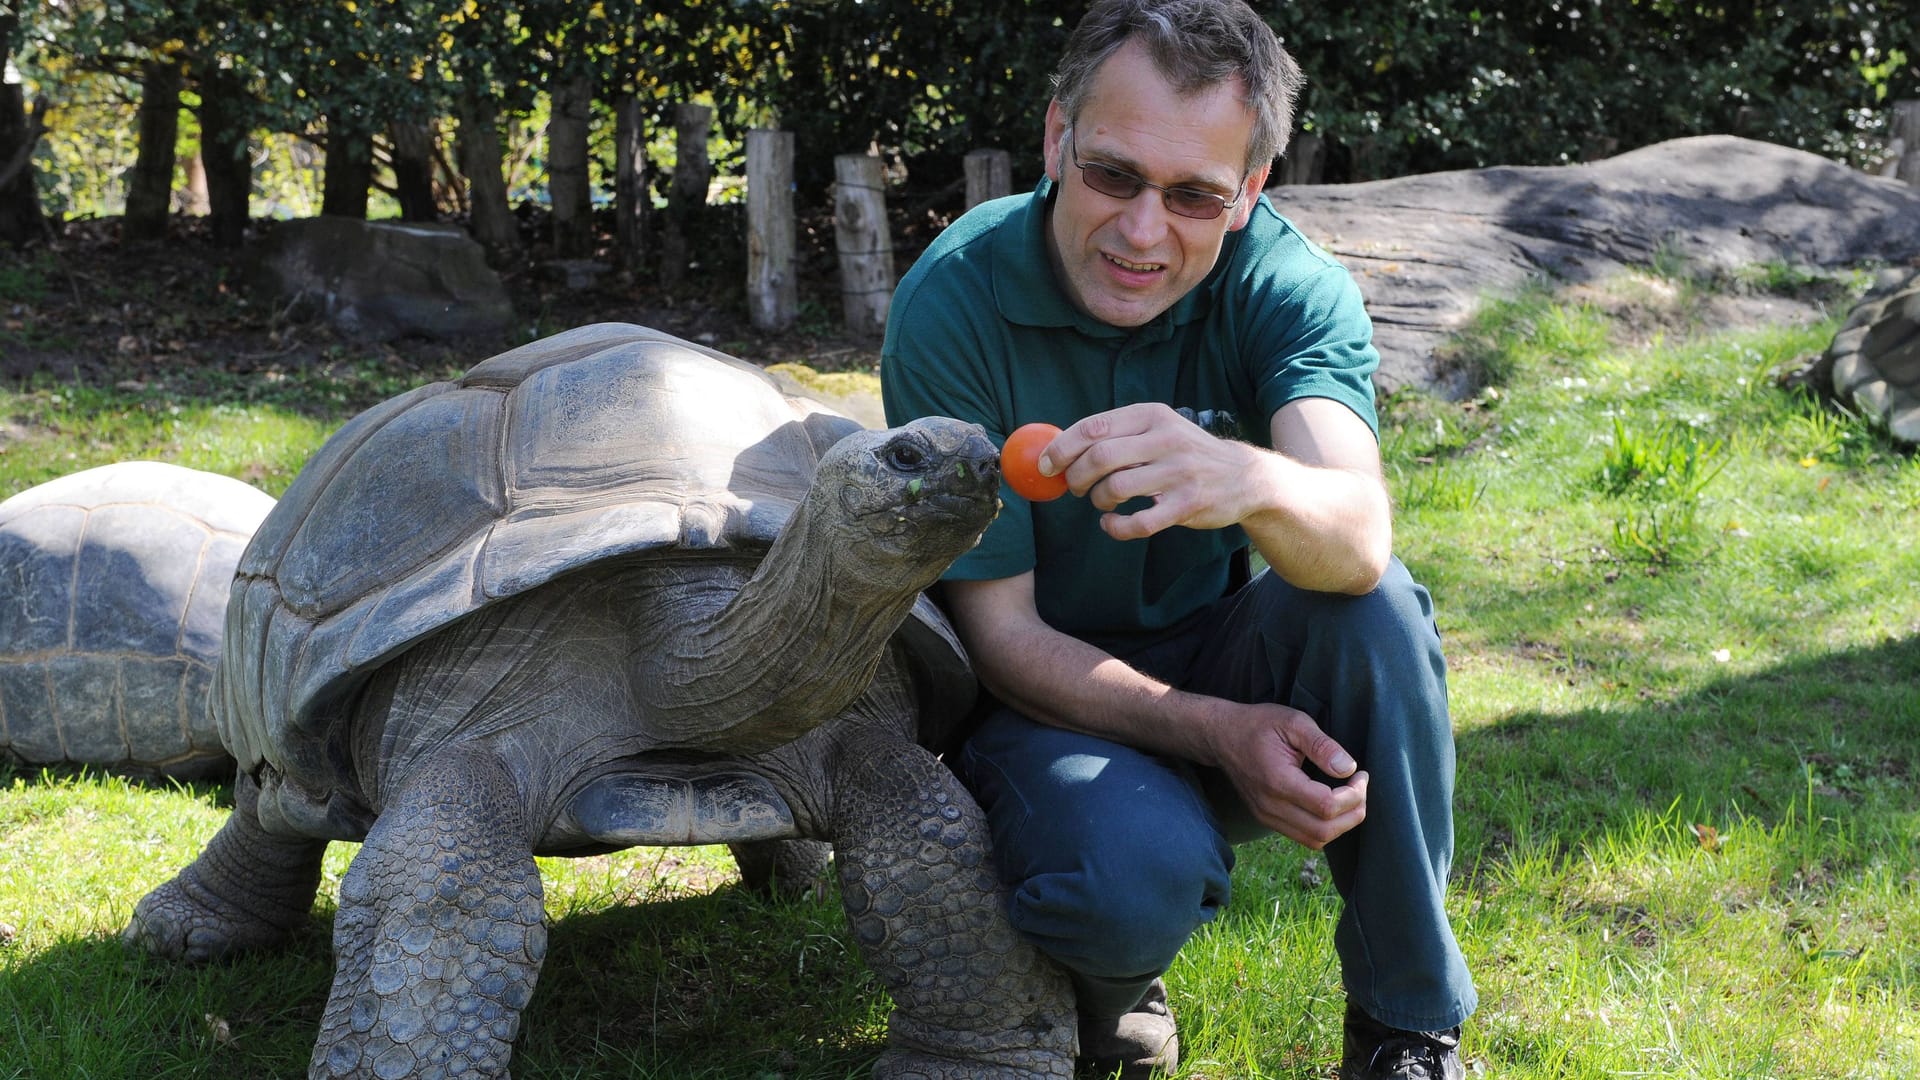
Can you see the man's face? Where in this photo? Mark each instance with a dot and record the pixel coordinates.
(1124, 261)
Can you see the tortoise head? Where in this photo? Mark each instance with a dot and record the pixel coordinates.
(914, 497)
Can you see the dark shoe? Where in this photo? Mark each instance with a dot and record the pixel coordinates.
(1375, 1051)
(1134, 1043)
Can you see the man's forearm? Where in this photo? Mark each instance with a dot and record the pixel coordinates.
(1060, 680)
(1328, 529)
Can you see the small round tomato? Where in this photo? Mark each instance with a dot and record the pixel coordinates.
(1020, 463)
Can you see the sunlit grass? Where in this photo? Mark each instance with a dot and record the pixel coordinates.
(1686, 795)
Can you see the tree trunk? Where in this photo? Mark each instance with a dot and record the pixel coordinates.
(864, 242)
(773, 301)
(413, 170)
(223, 150)
(567, 167)
(349, 172)
(150, 187)
(20, 217)
(630, 201)
(480, 151)
(687, 196)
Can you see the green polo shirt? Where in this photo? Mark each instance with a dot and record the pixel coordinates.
(980, 330)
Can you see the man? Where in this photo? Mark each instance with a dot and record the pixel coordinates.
(1149, 707)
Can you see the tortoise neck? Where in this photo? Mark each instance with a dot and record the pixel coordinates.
(798, 642)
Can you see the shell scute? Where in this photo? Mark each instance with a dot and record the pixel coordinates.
(37, 556)
(136, 572)
(428, 479)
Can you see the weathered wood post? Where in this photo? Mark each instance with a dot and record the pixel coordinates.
(687, 196)
(773, 297)
(989, 175)
(568, 188)
(630, 183)
(1906, 134)
(1304, 162)
(863, 241)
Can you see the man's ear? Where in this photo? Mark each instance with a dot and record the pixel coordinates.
(1055, 150)
(1249, 194)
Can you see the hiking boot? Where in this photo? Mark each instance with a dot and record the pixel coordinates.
(1134, 1043)
(1375, 1051)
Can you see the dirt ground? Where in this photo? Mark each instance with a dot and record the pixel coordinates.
(86, 307)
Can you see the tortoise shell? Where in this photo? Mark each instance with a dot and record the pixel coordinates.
(604, 441)
(110, 621)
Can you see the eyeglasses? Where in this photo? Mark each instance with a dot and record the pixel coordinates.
(1120, 184)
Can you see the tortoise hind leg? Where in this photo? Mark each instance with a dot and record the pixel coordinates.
(440, 937)
(972, 1000)
(248, 890)
(783, 868)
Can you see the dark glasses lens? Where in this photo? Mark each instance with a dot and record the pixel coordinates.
(1121, 184)
(1108, 180)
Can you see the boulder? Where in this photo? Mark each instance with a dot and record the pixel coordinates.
(1425, 249)
(380, 280)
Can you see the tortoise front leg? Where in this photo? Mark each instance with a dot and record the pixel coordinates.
(440, 936)
(972, 1000)
(248, 890)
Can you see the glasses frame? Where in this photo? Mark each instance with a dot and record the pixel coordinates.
(1217, 204)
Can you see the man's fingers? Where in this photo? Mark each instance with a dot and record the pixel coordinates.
(1306, 825)
(1319, 747)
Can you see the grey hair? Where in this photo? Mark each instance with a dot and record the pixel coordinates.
(1195, 44)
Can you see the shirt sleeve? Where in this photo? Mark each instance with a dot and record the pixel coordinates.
(1308, 332)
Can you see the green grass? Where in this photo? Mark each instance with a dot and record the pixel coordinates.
(1688, 831)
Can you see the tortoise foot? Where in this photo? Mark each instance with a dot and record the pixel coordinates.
(248, 890)
(180, 921)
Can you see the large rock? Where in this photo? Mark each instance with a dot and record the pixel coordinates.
(379, 280)
(1427, 248)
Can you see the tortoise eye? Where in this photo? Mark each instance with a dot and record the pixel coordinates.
(905, 455)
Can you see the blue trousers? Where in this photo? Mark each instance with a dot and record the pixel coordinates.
(1114, 857)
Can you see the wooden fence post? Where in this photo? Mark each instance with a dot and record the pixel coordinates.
(773, 301)
(1906, 134)
(989, 175)
(568, 189)
(1305, 161)
(864, 242)
(687, 196)
(630, 183)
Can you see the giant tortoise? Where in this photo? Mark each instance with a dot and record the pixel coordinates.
(607, 589)
(113, 582)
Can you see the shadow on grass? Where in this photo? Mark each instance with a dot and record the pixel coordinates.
(721, 985)
(1834, 737)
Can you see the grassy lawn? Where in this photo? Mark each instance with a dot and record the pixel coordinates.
(1681, 611)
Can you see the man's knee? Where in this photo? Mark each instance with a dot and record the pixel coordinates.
(1130, 902)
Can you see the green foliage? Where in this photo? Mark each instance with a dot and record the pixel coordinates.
(1393, 89)
(1443, 84)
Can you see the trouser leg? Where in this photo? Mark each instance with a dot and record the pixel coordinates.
(1111, 855)
(1369, 671)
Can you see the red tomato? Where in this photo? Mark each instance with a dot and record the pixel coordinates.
(1020, 463)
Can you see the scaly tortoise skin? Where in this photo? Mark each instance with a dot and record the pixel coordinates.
(113, 583)
(607, 589)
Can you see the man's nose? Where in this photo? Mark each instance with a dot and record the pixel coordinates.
(1143, 221)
